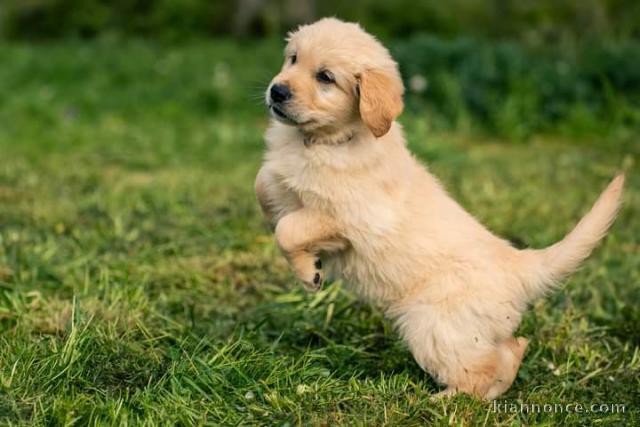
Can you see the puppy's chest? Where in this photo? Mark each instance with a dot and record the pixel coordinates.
(311, 181)
(358, 198)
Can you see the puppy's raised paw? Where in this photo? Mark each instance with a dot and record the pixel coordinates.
(316, 284)
(309, 269)
(318, 278)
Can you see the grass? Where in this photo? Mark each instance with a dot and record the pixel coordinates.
(139, 286)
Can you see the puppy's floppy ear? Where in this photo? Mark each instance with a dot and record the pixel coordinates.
(380, 99)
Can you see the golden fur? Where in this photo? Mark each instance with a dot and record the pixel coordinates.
(346, 198)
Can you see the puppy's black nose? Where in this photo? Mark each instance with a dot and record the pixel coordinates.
(280, 93)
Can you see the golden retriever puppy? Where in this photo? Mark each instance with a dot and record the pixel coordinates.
(346, 198)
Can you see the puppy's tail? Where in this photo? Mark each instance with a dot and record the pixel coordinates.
(546, 267)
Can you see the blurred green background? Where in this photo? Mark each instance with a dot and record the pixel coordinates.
(535, 21)
(139, 286)
(511, 68)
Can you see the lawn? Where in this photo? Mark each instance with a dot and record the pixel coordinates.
(139, 285)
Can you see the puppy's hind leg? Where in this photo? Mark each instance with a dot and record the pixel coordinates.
(495, 372)
(453, 343)
(512, 351)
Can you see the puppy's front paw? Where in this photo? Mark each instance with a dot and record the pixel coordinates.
(309, 269)
(317, 279)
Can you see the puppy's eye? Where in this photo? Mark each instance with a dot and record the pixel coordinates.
(325, 77)
(294, 59)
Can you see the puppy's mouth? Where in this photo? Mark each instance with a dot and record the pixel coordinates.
(281, 115)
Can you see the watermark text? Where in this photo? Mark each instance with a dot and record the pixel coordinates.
(506, 407)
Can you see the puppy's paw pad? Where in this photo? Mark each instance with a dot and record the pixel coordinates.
(315, 283)
(308, 268)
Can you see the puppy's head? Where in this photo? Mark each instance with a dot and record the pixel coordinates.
(336, 75)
